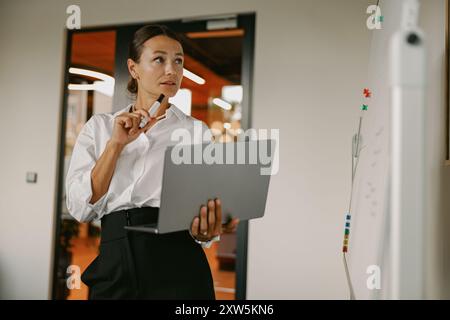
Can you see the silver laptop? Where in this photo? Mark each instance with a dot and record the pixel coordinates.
(236, 172)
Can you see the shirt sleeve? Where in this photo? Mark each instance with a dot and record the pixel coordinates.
(78, 179)
(209, 243)
(205, 244)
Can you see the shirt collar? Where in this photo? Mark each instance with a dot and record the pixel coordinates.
(172, 109)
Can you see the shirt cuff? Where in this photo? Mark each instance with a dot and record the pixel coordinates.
(206, 244)
(209, 243)
(98, 206)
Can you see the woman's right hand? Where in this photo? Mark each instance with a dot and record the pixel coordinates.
(126, 126)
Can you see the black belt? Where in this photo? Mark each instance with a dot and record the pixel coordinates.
(113, 223)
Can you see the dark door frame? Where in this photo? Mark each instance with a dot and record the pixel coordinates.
(245, 21)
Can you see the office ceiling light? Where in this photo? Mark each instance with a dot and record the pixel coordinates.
(92, 74)
(232, 93)
(221, 103)
(105, 85)
(192, 76)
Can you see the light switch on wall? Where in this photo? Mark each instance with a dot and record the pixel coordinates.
(31, 177)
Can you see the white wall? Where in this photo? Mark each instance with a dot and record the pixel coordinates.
(310, 65)
(30, 83)
(317, 61)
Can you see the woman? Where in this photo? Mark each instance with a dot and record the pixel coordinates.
(115, 175)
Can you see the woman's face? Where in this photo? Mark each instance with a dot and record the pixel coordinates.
(160, 69)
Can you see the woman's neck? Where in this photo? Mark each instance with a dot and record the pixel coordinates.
(146, 101)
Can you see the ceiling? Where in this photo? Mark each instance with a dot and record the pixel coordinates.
(94, 51)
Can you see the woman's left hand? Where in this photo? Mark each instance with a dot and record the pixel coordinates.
(209, 222)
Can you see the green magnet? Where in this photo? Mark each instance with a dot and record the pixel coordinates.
(364, 107)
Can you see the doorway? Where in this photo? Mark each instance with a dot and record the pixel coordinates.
(219, 58)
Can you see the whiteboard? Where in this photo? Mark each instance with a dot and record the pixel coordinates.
(369, 235)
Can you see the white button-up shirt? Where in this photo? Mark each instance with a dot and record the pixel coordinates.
(137, 178)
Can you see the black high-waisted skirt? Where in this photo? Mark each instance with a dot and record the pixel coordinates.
(137, 265)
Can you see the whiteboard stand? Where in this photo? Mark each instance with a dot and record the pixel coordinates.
(407, 72)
